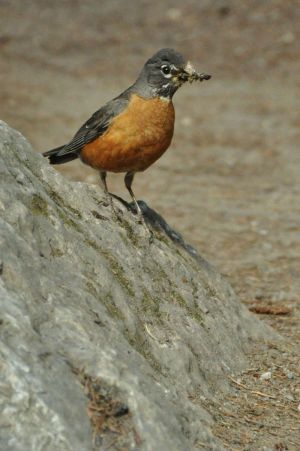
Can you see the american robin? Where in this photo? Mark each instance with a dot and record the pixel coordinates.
(133, 130)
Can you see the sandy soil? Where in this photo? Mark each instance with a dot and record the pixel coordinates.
(229, 182)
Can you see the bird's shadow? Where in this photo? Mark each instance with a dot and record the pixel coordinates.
(155, 221)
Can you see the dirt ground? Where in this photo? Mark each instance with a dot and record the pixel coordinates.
(230, 181)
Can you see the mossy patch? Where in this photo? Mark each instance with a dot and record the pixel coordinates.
(115, 267)
(39, 206)
(105, 299)
(161, 236)
(67, 220)
(119, 272)
(93, 244)
(130, 232)
(56, 252)
(150, 306)
(91, 288)
(61, 202)
(65, 211)
(97, 215)
(142, 346)
(113, 310)
(192, 310)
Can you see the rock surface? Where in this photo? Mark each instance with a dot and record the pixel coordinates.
(94, 315)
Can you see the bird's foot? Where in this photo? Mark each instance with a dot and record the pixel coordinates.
(141, 220)
(108, 202)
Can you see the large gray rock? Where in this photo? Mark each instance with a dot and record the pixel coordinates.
(92, 312)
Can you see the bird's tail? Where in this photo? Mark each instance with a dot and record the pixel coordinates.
(57, 157)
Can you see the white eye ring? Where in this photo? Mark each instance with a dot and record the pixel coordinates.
(166, 70)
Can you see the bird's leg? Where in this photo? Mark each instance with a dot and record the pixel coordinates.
(128, 182)
(107, 194)
(103, 181)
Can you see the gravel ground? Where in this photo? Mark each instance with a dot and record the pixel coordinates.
(229, 182)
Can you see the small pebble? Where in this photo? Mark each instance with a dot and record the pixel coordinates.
(20, 178)
(174, 14)
(186, 121)
(298, 408)
(266, 376)
(290, 375)
(288, 37)
(263, 232)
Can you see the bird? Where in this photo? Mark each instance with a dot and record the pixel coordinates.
(133, 130)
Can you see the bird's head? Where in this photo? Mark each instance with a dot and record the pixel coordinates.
(165, 72)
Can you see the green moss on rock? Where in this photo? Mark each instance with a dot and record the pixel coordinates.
(106, 299)
(39, 206)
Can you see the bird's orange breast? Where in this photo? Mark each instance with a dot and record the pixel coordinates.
(135, 139)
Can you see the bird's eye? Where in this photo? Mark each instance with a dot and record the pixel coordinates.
(165, 69)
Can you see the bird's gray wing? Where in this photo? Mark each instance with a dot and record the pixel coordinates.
(95, 126)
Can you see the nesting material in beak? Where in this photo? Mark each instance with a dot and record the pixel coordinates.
(189, 69)
(189, 74)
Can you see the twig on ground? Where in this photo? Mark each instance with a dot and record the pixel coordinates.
(254, 392)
